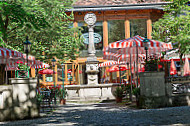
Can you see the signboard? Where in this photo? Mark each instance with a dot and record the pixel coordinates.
(97, 38)
(49, 79)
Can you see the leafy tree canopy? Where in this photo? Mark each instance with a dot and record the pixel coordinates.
(175, 25)
(45, 22)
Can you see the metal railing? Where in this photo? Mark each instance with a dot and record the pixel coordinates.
(180, 85)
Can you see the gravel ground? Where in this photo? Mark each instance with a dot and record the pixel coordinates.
(109, 114)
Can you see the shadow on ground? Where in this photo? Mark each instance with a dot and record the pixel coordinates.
(110, 114)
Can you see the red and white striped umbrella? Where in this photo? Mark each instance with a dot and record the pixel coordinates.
(141, 50)
(126, 57)
(138, 41)
(186, 67)
(173, 70)
(121, 49)
(110, 63)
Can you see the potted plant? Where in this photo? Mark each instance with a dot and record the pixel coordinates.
(62, 95)
(23, 69)
(118, 93)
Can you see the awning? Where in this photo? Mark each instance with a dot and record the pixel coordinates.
(10, 57)
(8, 53)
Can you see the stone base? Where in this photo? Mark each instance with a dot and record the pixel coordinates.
(18, 100)
(164, 101)
(86, 93)
(92, 59)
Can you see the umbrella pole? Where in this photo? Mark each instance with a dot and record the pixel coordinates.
(119, 75)
(137, 65)
(131, 80)
(6, 82)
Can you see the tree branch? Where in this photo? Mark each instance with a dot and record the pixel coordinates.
(12, 29)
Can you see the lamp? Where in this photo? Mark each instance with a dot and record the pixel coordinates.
(62, 65)
(145, 41)
(27, 45)
(53, 65)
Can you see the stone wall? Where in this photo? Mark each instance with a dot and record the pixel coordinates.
(18, 100)
(156, 93)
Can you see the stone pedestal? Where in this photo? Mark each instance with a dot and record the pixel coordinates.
(92, 72)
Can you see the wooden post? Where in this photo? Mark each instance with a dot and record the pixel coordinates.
(43, 77)
(78, 74)
(66, 77)
(32, 72)
(75, 24)
(149, 28)
(72, 73)
(118, 76)
(56, 75)
(127, 28)
(105, 33)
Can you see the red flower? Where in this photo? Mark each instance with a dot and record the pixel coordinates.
(19, 61)
(159, 66)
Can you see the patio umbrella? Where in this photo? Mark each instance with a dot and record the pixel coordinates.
(119, 68)
(132, 46)
(173, 70)
(186, 67)
(47, 71)
(110, 63)
(116, 68)
(138, 41)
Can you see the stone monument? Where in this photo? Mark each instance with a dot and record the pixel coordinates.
(92, 62)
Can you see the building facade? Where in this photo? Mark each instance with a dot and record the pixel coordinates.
(116, 20)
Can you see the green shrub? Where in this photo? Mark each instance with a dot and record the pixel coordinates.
(118, 93)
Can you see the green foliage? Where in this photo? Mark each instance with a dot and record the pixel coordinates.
(118, 93)
(175, 25)
(62, 93)
(23, 66)
(136, 91)
(45, 22)
(39, 97)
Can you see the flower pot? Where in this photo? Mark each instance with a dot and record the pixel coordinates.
(62, 101)
(118, 100)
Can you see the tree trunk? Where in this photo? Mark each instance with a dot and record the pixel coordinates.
(2, 74)
(181, 63)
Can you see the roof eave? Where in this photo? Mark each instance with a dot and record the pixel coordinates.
(157, 6)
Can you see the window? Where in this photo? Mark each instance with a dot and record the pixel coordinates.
(138, 27)
(116, 30)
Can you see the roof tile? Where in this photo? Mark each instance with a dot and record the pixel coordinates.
(112, 2)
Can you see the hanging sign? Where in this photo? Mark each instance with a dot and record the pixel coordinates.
(97, 38)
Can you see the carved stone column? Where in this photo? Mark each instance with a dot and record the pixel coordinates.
(92, 62)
